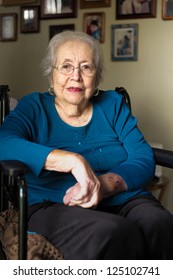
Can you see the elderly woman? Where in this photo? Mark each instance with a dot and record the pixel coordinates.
(89, 165)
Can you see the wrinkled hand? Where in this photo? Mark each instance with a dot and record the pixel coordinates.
(86, 199)
(89, 189)
(110, 184)
(86, 192)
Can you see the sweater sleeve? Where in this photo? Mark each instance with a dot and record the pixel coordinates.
(18, 135)
(139, 167)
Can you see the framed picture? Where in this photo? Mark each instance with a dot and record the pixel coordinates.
(54, 29)
(58, 9)
(16, 2)
(29, 19)
(135, 9)
(94, 25)
(167, 9)
(124, 42)
(85, 4)
(8, 27)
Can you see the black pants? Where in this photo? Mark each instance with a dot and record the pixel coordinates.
(138, 229)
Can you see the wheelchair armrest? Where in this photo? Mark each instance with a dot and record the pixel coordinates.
(163, 157)
(17, 169)
(13, 168)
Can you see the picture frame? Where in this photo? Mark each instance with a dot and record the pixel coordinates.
(146, 9)
(52, 9)
(167, 9)
(94, 25)
(55, 29)
(86, 4)
(8, 27)
(29, 19)
(124, 42)
(16, 2)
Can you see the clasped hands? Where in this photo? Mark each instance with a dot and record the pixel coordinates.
(89, 189)
(90, 195)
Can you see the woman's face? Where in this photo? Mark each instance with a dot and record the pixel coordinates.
(75, 88)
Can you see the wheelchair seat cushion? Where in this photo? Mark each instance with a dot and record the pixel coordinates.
(39, 248)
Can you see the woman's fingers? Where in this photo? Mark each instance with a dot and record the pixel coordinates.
(85, 197)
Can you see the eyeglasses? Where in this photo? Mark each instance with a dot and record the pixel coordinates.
(68, 69)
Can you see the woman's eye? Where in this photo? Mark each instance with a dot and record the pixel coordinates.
(66, 66)
(86, 66)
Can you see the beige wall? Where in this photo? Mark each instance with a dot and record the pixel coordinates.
(149, 80)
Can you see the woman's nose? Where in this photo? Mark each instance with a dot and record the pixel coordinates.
(76, 75)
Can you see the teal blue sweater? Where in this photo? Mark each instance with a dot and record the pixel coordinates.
(110, 142)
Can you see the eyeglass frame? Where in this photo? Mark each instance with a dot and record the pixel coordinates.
(73, 68)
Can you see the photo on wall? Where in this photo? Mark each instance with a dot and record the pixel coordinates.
(55, 29)
(94, 25)
(8, 27)
(167, 9)
(58, 9)
(124, 42)
(126, 9)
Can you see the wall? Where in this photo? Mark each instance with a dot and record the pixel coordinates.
(149, 80)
